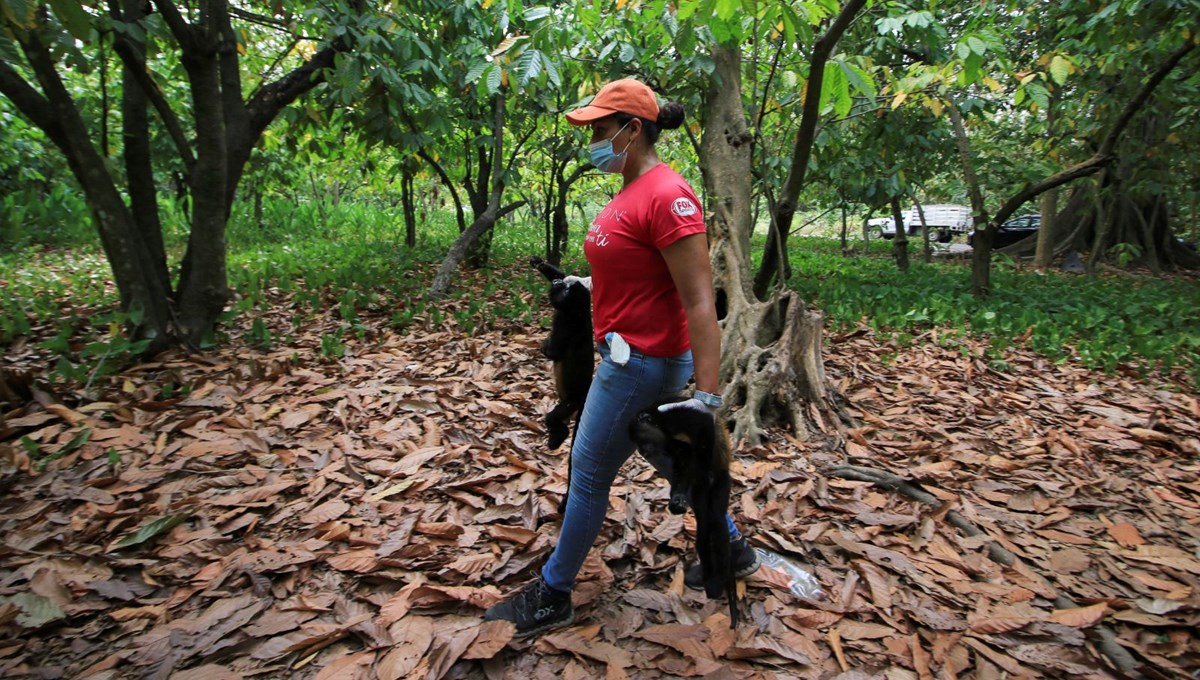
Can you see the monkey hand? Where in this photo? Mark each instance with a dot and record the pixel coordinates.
(585, 281)
(692, 404)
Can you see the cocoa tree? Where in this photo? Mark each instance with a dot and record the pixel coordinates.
(771, 362)
(213, 133)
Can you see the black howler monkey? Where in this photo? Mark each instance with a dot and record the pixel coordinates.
(698, 447)
(571, 348)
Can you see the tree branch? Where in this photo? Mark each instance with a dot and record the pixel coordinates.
(1140, 99)
(1104, 155)
(269, 99)
(132, 59)
(29, 101)
(179, 26)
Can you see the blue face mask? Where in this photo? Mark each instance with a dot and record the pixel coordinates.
(603, 156)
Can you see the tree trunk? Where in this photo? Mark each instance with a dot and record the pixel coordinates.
(203, 288)
(139, 170)
(845, 229)
(1046, 232)
(407, 198)
(771, 365)
(900, 240)
(225, 133)
(560, 225)
(926, 251)
(141, 292)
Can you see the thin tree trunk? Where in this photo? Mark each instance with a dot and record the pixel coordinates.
(1046, 232)
(900, 240)
(139, 170)
(440, 287)
(845, 229)
(410, 212)
(774, 262)
(982, 243)
(924, 228)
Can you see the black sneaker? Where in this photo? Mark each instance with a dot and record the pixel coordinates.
(534, 609)
(745, 562)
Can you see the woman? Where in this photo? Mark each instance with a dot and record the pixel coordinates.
(654, 316)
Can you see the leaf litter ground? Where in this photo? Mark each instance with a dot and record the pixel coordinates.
(293, 517)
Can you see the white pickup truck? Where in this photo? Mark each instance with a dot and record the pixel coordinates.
(943, 219)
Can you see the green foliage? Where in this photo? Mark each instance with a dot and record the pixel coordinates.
(148, 531)
(1102, 323)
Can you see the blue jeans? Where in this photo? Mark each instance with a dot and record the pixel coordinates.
(602, 446)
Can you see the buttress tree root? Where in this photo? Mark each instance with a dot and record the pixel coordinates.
(771, 363)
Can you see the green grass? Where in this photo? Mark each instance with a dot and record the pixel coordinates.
(1103, 322)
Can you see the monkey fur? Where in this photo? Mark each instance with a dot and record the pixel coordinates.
(571, 347)
(698, 447)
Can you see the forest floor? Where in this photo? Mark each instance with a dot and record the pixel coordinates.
(293, 516)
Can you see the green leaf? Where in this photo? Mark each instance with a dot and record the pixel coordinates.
(535, 13)
(977, 46)
(72, 15)
(19, 12)
(529, 66)
(148, 532)
(493, 79)
(860, 79)
(1060, 69)
(475, 71)
(36, 611)
(727, 9)
(77, 441)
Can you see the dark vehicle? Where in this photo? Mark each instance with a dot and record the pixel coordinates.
(1012, 231)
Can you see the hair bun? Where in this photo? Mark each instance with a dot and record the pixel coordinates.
(670, 115)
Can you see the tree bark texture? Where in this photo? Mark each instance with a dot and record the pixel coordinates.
(771, 364)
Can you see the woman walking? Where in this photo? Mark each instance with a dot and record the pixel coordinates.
(655, 324)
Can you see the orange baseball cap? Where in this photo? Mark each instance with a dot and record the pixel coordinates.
(620, 96)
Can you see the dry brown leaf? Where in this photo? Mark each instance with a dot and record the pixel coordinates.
(490, 639)
(1080, 617)
(362, 561)
(325, 512)
(689, 640)
(857, 630)
(835, 643)
(348, 667)
(412, 637)
(1125, 534)
(597, 651)
(205, 672)
(1000, 624)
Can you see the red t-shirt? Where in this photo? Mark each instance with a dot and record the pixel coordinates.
(632, 290)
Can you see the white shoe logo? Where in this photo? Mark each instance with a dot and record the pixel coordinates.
(543, 613)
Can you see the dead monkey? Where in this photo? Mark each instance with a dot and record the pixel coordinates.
(697, 446)
(571, 347)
